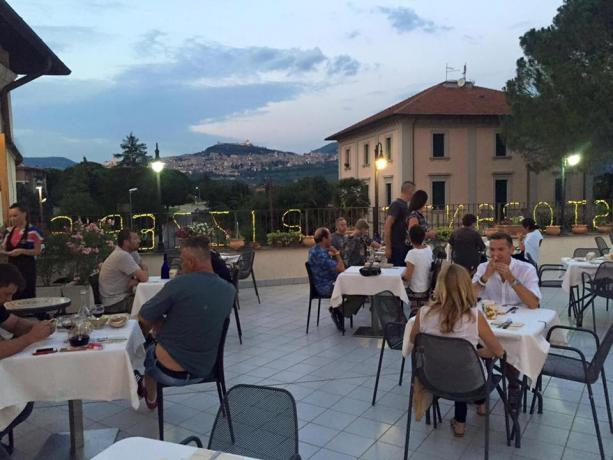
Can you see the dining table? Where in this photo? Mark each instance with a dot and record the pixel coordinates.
(144, 292)
(138, 448)
(575, 267)
(66, 374)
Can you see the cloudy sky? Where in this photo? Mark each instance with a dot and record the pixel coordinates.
(284, 74)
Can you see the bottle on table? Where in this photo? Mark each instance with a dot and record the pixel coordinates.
(165, 272)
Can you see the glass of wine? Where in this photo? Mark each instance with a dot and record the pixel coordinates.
(97, 310)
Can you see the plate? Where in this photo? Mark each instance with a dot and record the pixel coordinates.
(38, 302)
(117, 321)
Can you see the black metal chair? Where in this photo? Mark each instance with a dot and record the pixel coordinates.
(245, 265)
(94, 282)
(450, 368)
(583, 252)
(313, 295)
(600, 285)
(602, 245)
(388, 309)
(580, 370)
(234, 272)
(6, 449)
(257, 421)
(217, 376)
(611, 237)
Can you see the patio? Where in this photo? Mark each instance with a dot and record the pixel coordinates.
(332, 378)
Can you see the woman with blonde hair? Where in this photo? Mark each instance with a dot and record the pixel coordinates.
(453, 313)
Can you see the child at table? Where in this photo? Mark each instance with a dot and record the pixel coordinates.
(418, 262)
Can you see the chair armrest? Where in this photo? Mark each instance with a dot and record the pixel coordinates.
(570, 328)
(195, 439)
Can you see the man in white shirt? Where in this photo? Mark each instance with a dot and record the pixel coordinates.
(505, 280)
(531, 243)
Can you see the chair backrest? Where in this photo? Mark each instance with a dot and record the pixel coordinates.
(218, 366)
(582, 252)
(435, 270)
(448, 367)
(313, 293)
(602, 245)
(261, 422)
(466, 256)
(603, 280)
(388, 308)
(245, 263)
(530, 260)
(94, 282)
(601, 354)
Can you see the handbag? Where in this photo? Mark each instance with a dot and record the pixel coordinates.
(370, 271)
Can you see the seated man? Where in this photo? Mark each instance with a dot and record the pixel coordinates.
(467, 245)
(187, 318)
(24, 332)
(120, 272)
(505, 280)
(355, 250)
(340, 235)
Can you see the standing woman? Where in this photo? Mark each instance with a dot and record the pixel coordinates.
(22, 243)
(416, 216)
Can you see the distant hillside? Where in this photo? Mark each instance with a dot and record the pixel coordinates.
(238, 149)
(48, 162)
(329, 149)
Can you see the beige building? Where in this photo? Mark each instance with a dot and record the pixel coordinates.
(447, 139)
(23, 58)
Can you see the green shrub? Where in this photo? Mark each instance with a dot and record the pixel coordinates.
(284, 239)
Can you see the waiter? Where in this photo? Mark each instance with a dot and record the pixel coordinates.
(22, 243)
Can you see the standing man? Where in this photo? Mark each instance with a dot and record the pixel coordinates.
(120, 272)
(396, 226)
(340, 235)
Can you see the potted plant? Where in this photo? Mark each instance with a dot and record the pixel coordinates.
(553, 230)
(512, 226)
(605, 228)
(579, 229)
(284, 239)
(237, 242)
(88, 245)
(308, 241)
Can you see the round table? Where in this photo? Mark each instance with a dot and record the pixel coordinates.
(37, 305)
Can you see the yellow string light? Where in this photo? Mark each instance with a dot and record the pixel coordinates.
(70, 223)
(216, 224)
(480, 219)
(576, 204)
(102, 223)
(295, 228)
(459, 209)
(253, 226)
(146, 230)
(603, 216)
(546, 205)
(506, 207)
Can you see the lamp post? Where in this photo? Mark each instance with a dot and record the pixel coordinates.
(198, 192)
(380, 164)
(130, 192)
(39, 188)
(158, 165)
(568, 161)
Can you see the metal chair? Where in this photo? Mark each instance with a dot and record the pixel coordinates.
(6, 450)
(245, 265)
(602, 245)
(257, 421)
(388, 309)
(313, 294)
(580, 370)
(450, 368)
(234, 276)
(583, 252)
(601, 285)
(216, 375)
(611, 237)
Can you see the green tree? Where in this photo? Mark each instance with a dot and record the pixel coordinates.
(133, 152)
(562, 96)
(351, 193)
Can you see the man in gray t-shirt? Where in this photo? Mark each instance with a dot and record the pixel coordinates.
(120, 272)
(187, 318)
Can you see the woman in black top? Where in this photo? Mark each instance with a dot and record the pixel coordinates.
(416, 217)
(22, 243)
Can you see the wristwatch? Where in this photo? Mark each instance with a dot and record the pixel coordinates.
(481, 282)
(516, 282)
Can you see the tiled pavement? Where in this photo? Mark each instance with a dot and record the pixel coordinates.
(332, 378)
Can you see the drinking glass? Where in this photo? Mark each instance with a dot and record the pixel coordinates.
(97, 310)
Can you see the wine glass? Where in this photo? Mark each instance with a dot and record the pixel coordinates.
(97, 310)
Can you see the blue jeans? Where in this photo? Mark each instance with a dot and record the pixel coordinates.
(153, 371)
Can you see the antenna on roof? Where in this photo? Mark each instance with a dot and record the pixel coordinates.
(448, 70)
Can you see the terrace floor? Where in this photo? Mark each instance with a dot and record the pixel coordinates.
(332, 378)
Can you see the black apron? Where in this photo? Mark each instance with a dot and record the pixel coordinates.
(25, 264)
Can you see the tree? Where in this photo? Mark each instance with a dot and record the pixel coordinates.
(351, 193)
(562, 96)
(134, 152)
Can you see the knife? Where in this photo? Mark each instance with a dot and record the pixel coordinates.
(506, 324)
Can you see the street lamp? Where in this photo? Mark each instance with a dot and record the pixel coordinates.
(568, 161)
(158, 165)
(198, 192)
(130, 191)
(41, 200)
(380, 164)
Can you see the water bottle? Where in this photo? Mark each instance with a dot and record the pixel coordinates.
(165, 272)
(84, 309)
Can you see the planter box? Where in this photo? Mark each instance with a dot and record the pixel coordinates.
(579, 229)
(607, 228)
(513, 229)
(553, 230)
(308, 241)
(236, 244)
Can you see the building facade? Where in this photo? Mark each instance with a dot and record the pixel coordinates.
(447, 140)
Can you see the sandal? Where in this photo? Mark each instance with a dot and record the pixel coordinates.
(454, 427)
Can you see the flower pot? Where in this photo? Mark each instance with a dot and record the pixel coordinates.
(490, 231)
(236, 244)
(579, 229)
(512, 229)
(308, 241)
(606, 228)
(553, 230)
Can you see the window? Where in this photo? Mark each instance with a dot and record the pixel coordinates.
(558, 190)
(388, 194)
(438, 145)
(347, 158)
(438, 194)
(366, 155)
(501, 148)
(388, 148)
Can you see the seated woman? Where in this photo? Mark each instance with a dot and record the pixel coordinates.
(453, 313)
(530, 243)
(419, 261)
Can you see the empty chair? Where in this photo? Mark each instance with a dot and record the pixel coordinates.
(583, 252)
(450, 368)
(257, 421)
(602, 245)
(578, 369)
(600, 285)
(7, 449)
(245, 265)
(388, 309)
(313, 294)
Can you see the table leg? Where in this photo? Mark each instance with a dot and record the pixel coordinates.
(75, 418)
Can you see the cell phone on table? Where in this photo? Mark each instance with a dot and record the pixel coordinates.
(44, 351)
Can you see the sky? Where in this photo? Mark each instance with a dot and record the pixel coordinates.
(283, 74)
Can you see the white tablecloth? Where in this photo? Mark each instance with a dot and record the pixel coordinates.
(574, 268)
(144, 291)
(350, 282)
(103, 375)
(152, 449)
(526, 346)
